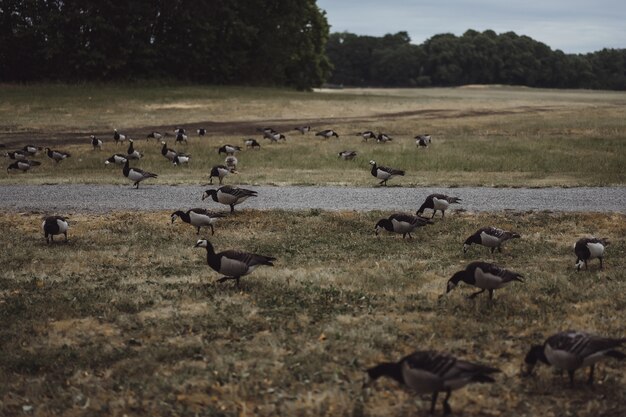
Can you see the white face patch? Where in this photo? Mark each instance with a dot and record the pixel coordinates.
(465, 247)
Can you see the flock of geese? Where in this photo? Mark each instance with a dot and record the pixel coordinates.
(422, 372)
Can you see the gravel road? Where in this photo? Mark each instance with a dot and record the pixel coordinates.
(102, 198)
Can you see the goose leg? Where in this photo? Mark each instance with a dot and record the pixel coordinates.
(571, 378)
(223, 279)
(601, 266)
(433, 402)
(590, 380)
(65, 234)
(491, 294)
(586, 265)
(434, 212)
(473, 295)
(232, 208)
(212, 230)
(443, 214)
(493, 249)
(446, 407)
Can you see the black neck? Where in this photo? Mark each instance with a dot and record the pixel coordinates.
(536, 353)
(389, 369)
(464, 276)
(183, 216)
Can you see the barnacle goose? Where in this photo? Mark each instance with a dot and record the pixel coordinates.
(181, 158)
(303, 129)
(118, 137)
(19, 155)
(483, 275)
(252, 143)
(197, 217)
(54, 225)
(436, 202)
(180, 131)
(201, 131)
(231, 196)
(422, 141)
(274, 136)
(384, 173)
(132, 153)
(96, 143)
(167, 152)
(589, 248)
(136, 175)
(231, 161)
(368, 134)
(118, 158)
(220, 171)
(154, 135)
(22, 165)
(401, 223)
(57, 156)
(383, 137)
(180, 138)
(491, 237)
(347, 155)
(328, 133)
(228, 149)
(31, 149)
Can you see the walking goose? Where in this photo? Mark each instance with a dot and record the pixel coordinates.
(54, 225)
(328, 133)
(135, 174)
(431, 372)
(401, 223)
(57, 156)
(228, 149)
(384, 173)
(274, 136)
(96, 143)
(252, 143)
(590, 248)
(167, 152)
(491, 237)
(303, 129)
(436, 202)
(181, 158)
(118, 137)
(154, 135)
(571, 350)
(368, 134)
(132, 153)
(231, 196)
(383, 137)
(231, 263)
(197, 217)
(347, 155)
(19, 155)
(484, 275)
(220, 171)
(22, 165)
(118, 158)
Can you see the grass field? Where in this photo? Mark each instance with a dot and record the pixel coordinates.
(500, 136)
(126, 319)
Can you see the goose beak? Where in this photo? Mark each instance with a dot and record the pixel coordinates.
(197, 245)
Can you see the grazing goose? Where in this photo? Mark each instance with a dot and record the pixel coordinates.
(328, 133)
(231, 263)
(167, 152)
(54, 225)
(19, 155)
(590, 248)
(180, 138)
(571, 350)
(118, 137)
(228, 149)
(231, 196)
(384, 173)
(132, 153)
(231, 162)
(303, 129)
(492, 237)
(23, 165)
(31, 149)
(347, 155)
(368, 134)
(137, 175)
(118, 158)
(436, 202)
(96, 143)
(154, 135)
(401, 223)
(422, 140)
(252, 143)
(201, 131)
(57, 156)
(197, 217)
(431, 372)
(383, 137)
(181, 158)
(274, 136)
(220, 171)
(485, 276)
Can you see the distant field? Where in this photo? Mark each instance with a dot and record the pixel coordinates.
(500, 136)
(126, 317)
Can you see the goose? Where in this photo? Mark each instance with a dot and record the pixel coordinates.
(96, 143)
(57, 156)
(383, 137)
(118, 158)
(231, 263)
(132, 153)
(228, 149)
(436, 202)
(266, 130)
(368, 134)
(220, 171)
(432, 372)
(22, 165)
(197, 217)
(167, 152)
(274, 136)
(180, 131)
(422, 141)
(384, 173)
(252, 143)
(571, 350)
(303, 129)
(347, 155)
(231, 162)
(231, 196)
(54, 225)
(401, 223)
(180, 138)
(181, 158)
(118, 137)
(328, 133)
(19, 155)
(137, 175)
(201, 131)
(484, 275)
(154, 135)
(589, 248)
(31, 149)
(492, 237)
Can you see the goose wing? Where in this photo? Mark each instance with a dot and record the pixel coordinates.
(205, 212)
(247, 258)
(390, 171)
(489, 268)
(582, 344)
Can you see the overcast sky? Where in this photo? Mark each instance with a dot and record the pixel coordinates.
(573, 26)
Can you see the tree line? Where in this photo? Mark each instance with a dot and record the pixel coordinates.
(473, 58)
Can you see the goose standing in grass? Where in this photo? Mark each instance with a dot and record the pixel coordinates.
(228, 149)
(132, 153)
(383, 138)
(180, 138)
(31, 149)
(18, 155)
(22, 165)
(303, 129)
(96, 143)
(118, 137)
(422, 141)
(589, 248)
(571, 350)
(201, 131)
(136, 175)
(347, 155)
(274, 136)
(118, 158)
(436, 202)
(180, 131)
(54, 225)
(431, 372)
(327, 134)
(231, 162)
(181, 158)
(384, 173)
(57, 156)
(197, 217)
(220, 171)
(231, 196)
(483, 275)
(491, 237)
(154, 135)
(168, 153)
(231, 263)
(252, 143)
(368, 134)
(401, 223)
